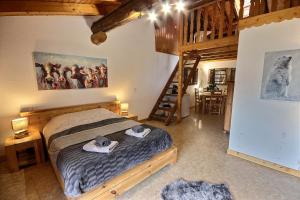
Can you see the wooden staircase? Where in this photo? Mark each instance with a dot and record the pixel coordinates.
(166, 105)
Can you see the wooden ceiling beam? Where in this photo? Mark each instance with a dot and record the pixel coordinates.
(219, 57)
(17, 8)
(128, 11)
(216, 50)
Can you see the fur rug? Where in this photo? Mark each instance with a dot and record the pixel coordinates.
(195, 190)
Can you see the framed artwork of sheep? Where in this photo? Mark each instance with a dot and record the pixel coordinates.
(57, 71)
(281, 76)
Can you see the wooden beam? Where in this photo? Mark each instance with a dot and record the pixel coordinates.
(205, 24)
(198, 24)
(125, 13)
(241, 13)
(18, 8)
(222, 18)
(185, 31)
(180, 32)
(228, 41)
(191, 40)
(203, 55)
(268, 18)
(231, 15)
(218, 50)
(213, 22)
(180, 85)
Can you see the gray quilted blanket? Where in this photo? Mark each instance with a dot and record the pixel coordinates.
(82, 171)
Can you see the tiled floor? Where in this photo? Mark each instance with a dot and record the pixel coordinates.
(202, 156)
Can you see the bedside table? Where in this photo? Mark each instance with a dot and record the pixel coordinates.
(13, 146)
(132, 117)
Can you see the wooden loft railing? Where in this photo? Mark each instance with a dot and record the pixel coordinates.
(209, 26)
(251, 8)
(259, 12)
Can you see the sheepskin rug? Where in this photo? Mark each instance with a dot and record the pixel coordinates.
(195, 190)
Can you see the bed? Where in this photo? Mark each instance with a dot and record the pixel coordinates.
(88, 175)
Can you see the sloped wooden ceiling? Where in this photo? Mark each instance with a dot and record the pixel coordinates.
(58, 7)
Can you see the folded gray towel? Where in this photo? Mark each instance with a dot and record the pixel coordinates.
(138, 129)
(102, 141)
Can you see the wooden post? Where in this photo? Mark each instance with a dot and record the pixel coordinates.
(230, 17)
(192, 27)
(287, 3)
(241, 14)
(185, 33)
(221, 22)
(179, 95)
(251, 12)
(181, 35)
(262, 7)
(274, 5)
(198, 25)
(205, 24)
(213, 23)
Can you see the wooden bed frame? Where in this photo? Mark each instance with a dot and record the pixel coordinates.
(118, 185)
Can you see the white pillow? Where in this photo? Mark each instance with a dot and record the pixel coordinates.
(69, 120)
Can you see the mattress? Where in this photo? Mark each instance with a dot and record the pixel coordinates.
(82, 171)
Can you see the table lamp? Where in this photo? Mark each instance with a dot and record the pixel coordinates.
(20, 126)
(124, 109)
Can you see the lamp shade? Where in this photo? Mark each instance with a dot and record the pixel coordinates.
(19, 124)
(124, 107)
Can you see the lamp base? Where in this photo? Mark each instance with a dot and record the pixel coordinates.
(21, 134)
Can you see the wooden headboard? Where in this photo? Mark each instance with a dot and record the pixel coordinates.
(39, 118)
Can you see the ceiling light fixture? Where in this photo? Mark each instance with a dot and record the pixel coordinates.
(180, 6)
(166, 8)
(152, 16)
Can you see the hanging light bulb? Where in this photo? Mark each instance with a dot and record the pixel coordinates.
(166, 8)
(152, 16)
(180, 6)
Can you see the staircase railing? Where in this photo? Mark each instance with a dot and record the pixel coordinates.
(211, 21)
(251, 8)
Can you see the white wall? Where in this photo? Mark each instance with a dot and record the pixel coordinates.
(266, 129)
(136, 73)
(203, 72)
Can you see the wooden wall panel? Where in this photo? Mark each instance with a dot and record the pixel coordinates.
(166, 35)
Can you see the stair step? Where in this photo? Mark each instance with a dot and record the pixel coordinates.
(168, 109)
(172, 95)
(189, 63)
(168, 101)
(159, 117)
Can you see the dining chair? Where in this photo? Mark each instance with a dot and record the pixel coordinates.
(215, 104)
(198, 101)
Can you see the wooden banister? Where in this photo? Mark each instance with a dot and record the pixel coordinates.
(185, 32)
(198, 24)
(230, 27)
(221, 21)
(205, 25)
(211, 21)
(241, 13)
(192, 27)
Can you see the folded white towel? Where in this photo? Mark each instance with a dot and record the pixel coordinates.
(139, 135)
(92, 147)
